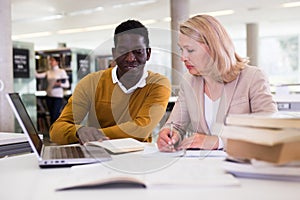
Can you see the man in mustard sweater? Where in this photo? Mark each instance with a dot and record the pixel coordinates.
(120, 102)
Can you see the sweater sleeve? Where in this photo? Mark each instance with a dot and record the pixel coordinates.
(63, 130)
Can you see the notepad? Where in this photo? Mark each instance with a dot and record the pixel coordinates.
(122, 145)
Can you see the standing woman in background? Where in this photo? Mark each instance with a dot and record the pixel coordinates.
(57, 80)
(218, 82)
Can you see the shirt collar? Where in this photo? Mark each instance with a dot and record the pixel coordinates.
(141, 83)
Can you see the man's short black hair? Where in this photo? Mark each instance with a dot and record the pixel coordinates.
(134, 27)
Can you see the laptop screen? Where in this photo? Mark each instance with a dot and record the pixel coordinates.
(25, 121)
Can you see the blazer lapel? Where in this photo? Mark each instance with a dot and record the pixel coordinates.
(203, 123)
(229, 89)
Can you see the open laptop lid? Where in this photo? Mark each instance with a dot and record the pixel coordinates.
(25, 122)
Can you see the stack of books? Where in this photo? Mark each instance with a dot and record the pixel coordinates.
(272, 140)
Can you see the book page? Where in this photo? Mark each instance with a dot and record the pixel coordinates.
(122, 145)
(111, 182)
(181, 173)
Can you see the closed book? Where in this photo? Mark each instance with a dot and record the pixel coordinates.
(264, 136)
(268, 120)
(267, 144)
(279, 153)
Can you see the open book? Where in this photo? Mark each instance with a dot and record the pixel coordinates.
(112, 182)
(274, 120)
(179, 174)
(122, 145)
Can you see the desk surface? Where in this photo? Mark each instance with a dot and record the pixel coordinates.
(21, 178)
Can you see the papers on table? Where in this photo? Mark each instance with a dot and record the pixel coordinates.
(152, 150)
(264, 170)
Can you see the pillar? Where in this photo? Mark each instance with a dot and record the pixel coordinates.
(179, 13)
(6, 69)
(252, 43)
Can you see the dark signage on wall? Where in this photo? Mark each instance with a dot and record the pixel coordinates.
(21, 63)
(83, 65)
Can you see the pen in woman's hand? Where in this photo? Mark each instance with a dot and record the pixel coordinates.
(171, 145)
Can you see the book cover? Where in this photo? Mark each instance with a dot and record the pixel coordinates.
(279, 146)
(279, 153)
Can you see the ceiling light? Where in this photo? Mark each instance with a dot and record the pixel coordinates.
(138, 3)
(45, 18)
(217, 13)
(102, 27)
(167, 19)
(51, 17)
(291, 4)
(134, 3)
(87, 29)
(85, 12)
(73, 30)
(149, 21)
(30, 35)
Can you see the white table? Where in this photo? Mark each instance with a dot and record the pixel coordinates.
(21, 178)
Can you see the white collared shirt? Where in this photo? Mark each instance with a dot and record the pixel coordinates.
(141, 83)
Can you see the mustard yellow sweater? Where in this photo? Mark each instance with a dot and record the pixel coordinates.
(100, 103)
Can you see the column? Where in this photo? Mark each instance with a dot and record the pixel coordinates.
(179, 13)
(6, 74)
(252, 43)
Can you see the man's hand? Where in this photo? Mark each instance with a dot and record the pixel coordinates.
(86, 134)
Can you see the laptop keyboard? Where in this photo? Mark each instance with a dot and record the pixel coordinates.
(66, 152)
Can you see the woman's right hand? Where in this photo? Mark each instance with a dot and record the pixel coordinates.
(167, 141)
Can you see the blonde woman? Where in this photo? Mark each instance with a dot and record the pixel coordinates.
(218, 82)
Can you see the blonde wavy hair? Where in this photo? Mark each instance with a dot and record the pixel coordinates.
(206, 29)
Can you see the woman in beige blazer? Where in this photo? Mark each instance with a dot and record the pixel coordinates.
(218, 82)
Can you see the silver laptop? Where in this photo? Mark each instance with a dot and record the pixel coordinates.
(58, 155)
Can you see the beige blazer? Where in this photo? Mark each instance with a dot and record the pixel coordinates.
(248, 93)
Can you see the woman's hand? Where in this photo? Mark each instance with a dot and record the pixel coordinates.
(200, 141)
(167, 141)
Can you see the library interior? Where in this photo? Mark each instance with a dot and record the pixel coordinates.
(257, 153)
